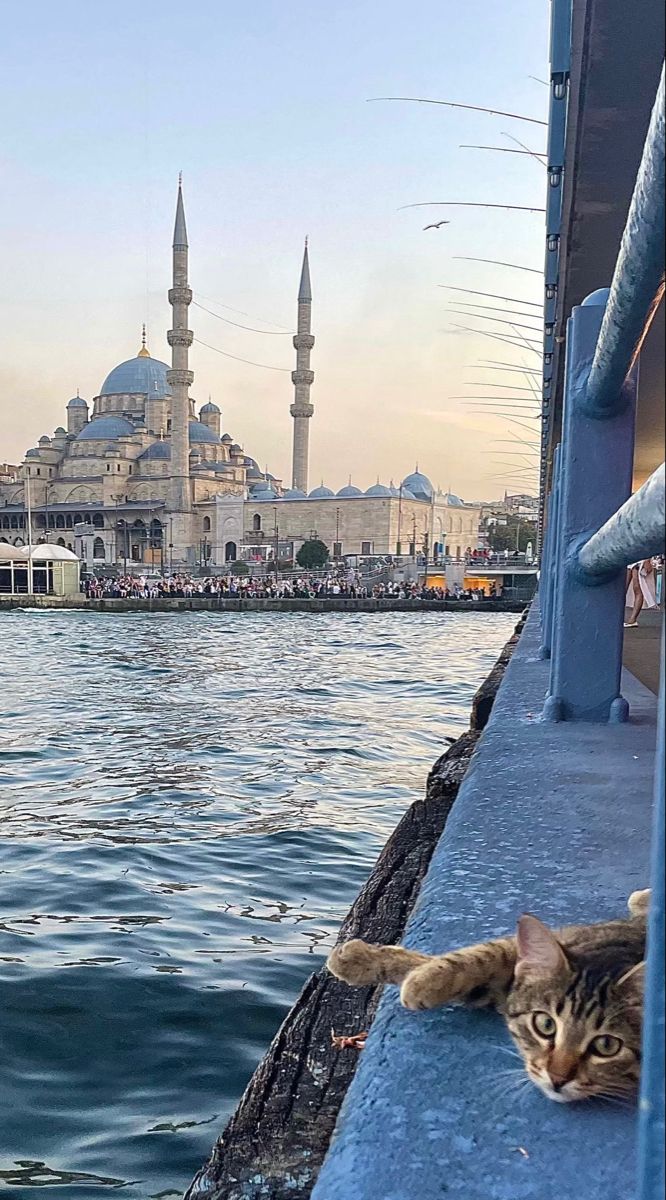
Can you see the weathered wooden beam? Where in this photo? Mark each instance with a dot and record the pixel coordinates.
(276, 1140)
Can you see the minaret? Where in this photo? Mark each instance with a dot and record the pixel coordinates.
(301, 410)
(179, 379)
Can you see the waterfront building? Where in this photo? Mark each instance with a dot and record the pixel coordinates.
(139, 476)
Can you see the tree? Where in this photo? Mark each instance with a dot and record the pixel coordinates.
(312, 554)
(239, 567)
(513, 536)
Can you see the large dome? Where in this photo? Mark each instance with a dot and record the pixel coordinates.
(158, 452)
(105, 429)
(419, 485)
(202, 434)
(140, 376)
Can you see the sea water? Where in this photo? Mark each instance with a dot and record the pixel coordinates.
(189, 804)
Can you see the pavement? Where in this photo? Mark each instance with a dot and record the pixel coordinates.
(553, 819)
(641, 648)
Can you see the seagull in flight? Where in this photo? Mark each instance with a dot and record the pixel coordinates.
(437, 225)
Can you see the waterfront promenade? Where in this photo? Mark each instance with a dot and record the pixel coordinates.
(369, 604)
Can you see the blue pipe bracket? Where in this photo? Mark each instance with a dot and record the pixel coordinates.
(596, 468)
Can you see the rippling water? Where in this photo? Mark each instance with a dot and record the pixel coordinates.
(188, 805)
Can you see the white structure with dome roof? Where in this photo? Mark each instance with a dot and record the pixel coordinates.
(137, 477)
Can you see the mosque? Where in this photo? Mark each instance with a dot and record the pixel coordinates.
(139, 478)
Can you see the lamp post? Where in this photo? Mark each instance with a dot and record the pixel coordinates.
(398, 547)
(337, 529)
(276, 533)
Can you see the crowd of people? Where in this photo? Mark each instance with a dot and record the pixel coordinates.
(340, 585)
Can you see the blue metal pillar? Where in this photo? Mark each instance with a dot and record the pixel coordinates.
(596, 468)
(652, 1128)
(552, 534)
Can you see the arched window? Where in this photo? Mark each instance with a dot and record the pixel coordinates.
(61, 542)
(68, 521)
(51, 521)
(98, 521)
(230, 552)
(40, 521)
(14, 522)
(98, 548)
(206, 524)
(60, 521)
(5, 522)
(78, 519)
(256, 523)
(156, 533)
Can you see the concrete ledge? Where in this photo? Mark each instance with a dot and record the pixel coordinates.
(259, 604)
(550, 818)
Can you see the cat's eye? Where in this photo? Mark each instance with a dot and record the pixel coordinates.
(544, 1024)
(605, 1046)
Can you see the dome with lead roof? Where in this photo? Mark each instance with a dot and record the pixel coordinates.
(140, 376)
(347, 492)
(158, 452)
(105, 428)
(321, 493)
(202, 434)
(419, 485)
(378, 489)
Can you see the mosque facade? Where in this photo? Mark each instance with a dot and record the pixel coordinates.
(140, 479)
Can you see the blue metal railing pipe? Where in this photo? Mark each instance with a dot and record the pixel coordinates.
(634, 532)
(638, 280)
(652, 1180)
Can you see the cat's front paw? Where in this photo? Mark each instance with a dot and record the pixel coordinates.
(639, 903)
(355, 962)
(428, 986)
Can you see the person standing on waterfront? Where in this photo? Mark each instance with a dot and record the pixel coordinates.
(641, 589)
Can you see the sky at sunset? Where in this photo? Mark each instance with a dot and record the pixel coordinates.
(263, 106)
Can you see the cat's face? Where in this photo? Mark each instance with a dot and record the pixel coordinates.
(579, 1035)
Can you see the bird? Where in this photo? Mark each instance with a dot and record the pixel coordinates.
(437, 225)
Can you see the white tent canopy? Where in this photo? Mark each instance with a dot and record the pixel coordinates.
(42, 553)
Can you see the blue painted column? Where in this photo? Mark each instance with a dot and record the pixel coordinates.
(552, 533)
(596, 468)
(652, 1129)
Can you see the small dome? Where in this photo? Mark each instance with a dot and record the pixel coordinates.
(140, 376)
(34, 453)
(251, 462)
(321, 493)
(348, 491)
(236, 448)
(202, 434)
(77, 402)
(60, 432)
(378, 489)
(44, 440)
(226, 437)
(254, 474)
(407, 495)
(209, 408)
(103, 428)
(454, 501)
(158, 452)
(295, 494)
(419, 485)
(264, 494)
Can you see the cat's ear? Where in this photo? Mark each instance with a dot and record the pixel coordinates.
(633, 980)
(539, 952)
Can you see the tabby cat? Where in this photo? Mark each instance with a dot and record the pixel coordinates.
(572, 1001)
